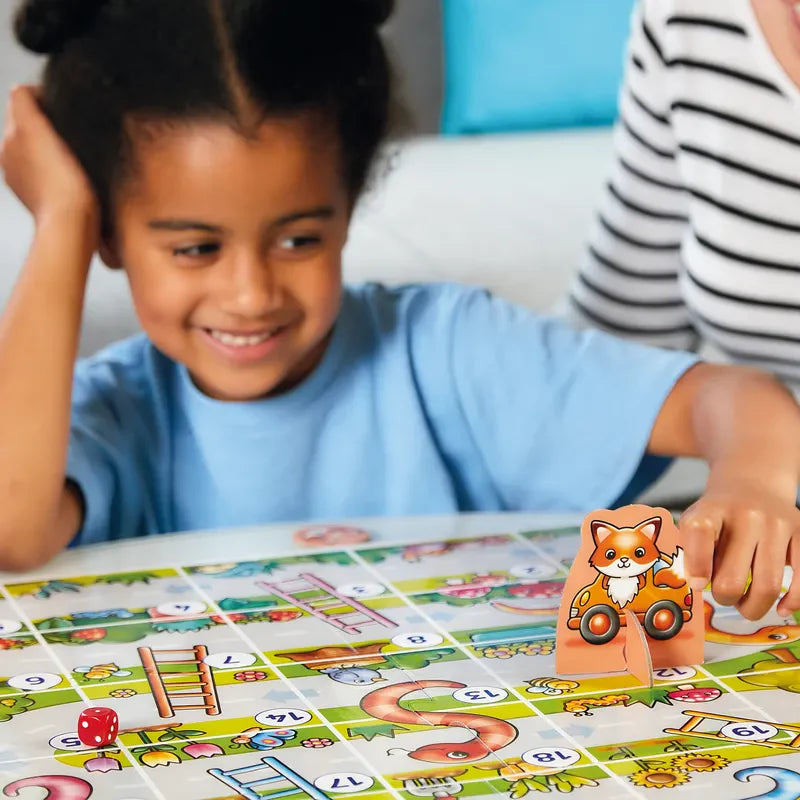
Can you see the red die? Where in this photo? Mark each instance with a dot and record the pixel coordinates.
(98, 726)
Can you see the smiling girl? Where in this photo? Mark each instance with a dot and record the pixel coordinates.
(214, 150)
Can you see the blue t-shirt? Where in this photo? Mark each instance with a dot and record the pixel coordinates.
(429, 400)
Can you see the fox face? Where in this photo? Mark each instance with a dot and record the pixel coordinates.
(625, 552)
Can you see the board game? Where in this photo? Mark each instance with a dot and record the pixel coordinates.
(423, 670)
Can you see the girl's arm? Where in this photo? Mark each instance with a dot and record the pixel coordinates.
(627, 283)
(39, 334)
(746, 524)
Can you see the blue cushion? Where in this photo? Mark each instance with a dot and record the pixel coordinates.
(514, 65)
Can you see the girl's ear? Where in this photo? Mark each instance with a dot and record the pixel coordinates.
(108, 253)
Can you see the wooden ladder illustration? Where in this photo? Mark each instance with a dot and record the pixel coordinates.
(262, 788)
(696, 717)
(170, 685)
(322, 601)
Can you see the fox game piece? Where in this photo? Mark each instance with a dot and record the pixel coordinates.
(630, 565)
(97, 726)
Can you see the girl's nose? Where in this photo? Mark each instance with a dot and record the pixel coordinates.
(249, 289)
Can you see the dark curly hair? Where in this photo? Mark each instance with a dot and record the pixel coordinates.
(116, 62)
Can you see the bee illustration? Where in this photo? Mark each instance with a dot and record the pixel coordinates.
(102, 672)
(551, 686)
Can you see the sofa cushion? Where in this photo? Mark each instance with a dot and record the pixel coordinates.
(515, 65)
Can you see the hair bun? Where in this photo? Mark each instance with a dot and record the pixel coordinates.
(44, 26)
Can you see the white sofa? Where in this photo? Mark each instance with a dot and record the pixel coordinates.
(507, 212)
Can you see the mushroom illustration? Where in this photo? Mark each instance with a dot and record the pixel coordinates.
(691, 694)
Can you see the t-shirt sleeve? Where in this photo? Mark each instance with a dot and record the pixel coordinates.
(101, 456)
(561, 417)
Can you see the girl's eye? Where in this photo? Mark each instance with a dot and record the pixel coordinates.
(298, 242)
(197, 250)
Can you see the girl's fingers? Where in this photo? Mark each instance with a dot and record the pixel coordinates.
(734, 557)
(701, 528)
(767, 575)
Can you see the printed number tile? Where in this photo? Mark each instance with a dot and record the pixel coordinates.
(33, 682)
(76, 777)
(109, 598)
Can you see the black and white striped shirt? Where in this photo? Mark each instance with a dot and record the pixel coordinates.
(698, 237)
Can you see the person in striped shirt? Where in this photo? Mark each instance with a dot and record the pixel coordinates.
(697, 242)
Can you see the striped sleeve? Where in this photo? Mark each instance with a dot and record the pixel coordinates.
(628, 279)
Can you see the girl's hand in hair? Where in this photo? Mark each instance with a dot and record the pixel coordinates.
(39, 167)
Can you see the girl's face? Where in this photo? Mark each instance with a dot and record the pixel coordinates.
(232, 248)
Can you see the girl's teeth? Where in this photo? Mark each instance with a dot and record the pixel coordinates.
(240, 341)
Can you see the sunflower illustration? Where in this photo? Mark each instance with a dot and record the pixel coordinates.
(659, 778)
(698, 762)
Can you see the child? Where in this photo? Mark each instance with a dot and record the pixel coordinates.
(221, 146)
(698, 238)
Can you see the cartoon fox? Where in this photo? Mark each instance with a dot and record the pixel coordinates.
(625, 557)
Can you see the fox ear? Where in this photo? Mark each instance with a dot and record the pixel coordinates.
(601, 531)
(650, 528)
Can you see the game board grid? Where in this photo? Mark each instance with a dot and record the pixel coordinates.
(564, 735)
(224, 614)
(303, 701)
(62, 669)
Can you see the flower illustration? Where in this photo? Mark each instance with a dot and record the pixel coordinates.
(159, 758)
(250, 675)
(102, 764)
(658, 778)
(316, 743)
(122, 693)
(89, 634)
(699, 762)
(203, 750)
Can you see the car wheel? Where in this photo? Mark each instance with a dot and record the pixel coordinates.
(663, 620)
(599, 624)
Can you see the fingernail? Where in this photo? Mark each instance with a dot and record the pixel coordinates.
(698, 584)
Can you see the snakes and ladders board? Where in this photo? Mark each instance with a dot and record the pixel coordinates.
(424, 670)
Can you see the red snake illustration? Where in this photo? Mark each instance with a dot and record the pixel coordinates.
(59, 787)
(769, 634)
(490, 734)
